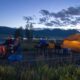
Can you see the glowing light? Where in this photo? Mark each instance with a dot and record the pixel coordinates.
(74, 45)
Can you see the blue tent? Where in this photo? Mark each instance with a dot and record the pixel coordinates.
(43, 42)
(15, 57)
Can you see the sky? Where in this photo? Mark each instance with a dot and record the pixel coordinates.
(13, 11)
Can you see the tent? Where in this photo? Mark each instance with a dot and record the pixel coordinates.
(15, 57)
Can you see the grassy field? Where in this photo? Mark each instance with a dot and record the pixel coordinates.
(41, 72)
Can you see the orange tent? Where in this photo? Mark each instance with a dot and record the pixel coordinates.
(72, 42)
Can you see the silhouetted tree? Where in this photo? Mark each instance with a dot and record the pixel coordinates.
(29, 28)
(18, 33)
(29, 31)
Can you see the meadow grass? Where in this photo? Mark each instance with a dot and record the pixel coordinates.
(43, 72)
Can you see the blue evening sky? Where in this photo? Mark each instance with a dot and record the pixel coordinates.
(12, 11)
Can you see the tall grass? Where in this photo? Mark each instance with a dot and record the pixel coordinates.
(43, 72)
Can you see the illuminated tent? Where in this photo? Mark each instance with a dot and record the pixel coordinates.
(51, 45)
(72, 42)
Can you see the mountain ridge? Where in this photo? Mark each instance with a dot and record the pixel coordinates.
(56, 33)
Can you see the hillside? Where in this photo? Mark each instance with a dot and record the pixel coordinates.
(55, 33)
(5, 31)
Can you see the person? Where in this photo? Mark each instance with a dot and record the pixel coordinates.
(9, 41)
(17, 56)
(9, 44)
(17, 47)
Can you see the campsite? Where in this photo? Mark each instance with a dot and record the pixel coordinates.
(39, 39)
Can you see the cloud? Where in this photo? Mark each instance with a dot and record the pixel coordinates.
(42, 20)
(73, 11)
(56, 23)
(69, 16)
(44, 12)
(65, 17)
(49, 24)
